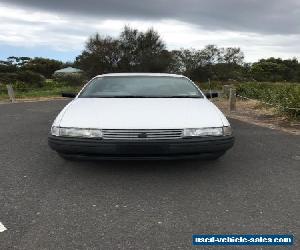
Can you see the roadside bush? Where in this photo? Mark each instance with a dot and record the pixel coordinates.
(27, 79)
(51, 84)
(3, 89)
(31, 79)
(8, 78)
(215, 85)
(70, 79)
(283, 96)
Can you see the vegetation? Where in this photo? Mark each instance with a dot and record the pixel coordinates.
(70, 79)
(49, 89)
(132, 51)
(136, 51)
(285, 97)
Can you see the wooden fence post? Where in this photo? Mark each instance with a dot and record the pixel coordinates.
(232, 99)
(10, 92)
(225, 90)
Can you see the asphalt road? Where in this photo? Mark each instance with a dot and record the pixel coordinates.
(49, 203)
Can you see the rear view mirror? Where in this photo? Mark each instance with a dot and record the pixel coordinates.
(68, 94)
(211, 95)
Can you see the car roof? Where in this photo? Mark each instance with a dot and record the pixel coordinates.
(140, 74)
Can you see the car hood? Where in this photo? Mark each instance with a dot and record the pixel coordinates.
(141, 113)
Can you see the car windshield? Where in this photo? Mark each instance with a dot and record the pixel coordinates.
(140, 87)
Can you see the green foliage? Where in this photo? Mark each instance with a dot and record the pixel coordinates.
(43, 66)
(31, 78)
(101, 55)
(284, 96)
(276, 70)
(136, 51)
(28, 78)
(70, 79)
(132, 51)
(18, 61)
(211, 62)
(8, 78)
(7, 68)
(214, 85)
(50, 88)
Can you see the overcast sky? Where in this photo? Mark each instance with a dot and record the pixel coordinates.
(59, 28)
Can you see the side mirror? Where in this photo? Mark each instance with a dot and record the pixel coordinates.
(211, 95)
(69, 95)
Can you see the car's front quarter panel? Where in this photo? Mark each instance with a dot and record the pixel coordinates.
(221, 115)
(61, 114)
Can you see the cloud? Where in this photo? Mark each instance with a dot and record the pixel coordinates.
(267, 16)
(63, 26)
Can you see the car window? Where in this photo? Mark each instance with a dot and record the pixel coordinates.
(140, 86)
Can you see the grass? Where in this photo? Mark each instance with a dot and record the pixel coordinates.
(214, 85)
(50, 89)
(285, 97)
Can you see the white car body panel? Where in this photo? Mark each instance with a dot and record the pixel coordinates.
(141, 113)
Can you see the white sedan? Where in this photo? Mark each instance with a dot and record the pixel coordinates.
(140, 116)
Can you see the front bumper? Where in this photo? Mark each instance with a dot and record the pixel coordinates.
(141, 149)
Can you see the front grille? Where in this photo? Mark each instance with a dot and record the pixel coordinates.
(141, 134)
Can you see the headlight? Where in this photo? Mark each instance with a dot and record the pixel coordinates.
(77, 132)
(203, 132)
(220, 131)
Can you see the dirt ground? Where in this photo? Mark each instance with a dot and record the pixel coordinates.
(254, 112)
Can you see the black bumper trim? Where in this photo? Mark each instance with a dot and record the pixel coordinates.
(152, 149)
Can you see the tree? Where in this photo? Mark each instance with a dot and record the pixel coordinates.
(6, 67)
(25, 77)
(132, 51)
(31, 78)
(210, 62)
(152, 55)
(18, 61)
(211, 54)
(232, 55)
(270, 69)
(101, 55)
(128, 42)
(43, 66)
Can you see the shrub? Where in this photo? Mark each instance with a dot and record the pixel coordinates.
(8, 78)
(284, 96)
(70, 79)
(31, 79)
(28, 78)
